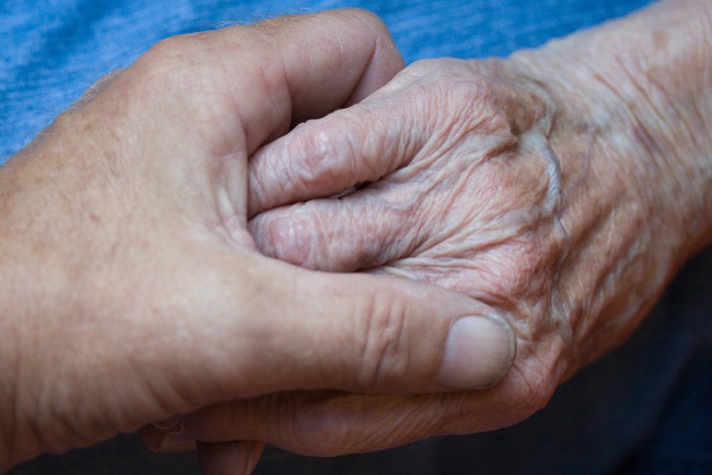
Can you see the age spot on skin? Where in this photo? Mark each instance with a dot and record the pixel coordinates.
(660, 39)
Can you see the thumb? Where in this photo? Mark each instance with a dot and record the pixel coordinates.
(356, 332)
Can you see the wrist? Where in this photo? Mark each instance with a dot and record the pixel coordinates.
(643, 86)
(32, 286)
(631, 127)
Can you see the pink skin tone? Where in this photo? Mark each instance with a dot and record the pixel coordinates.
(130, 287)
(562, 186)
(554, 193)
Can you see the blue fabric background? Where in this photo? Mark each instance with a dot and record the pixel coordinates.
(643, 410)
(53, 50)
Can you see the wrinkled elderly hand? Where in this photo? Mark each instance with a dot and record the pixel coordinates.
(563, 187)
(130, 288)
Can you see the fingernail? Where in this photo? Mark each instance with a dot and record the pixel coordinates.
(171, 442)
(478, 352)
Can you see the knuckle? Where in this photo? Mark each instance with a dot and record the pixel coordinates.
(323, 148)
(349, 148)
(178, 46)
(423, 67)
(455, 99)
(172, 62)
(299, 235)
(513, 271)
(169, 52)
(288, 238)
(384, 354)
(439, 72)
(181, 77)
(311, 237)
(471, 105)
(317, 149)
(369, 18)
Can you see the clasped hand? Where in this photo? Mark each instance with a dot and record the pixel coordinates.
(478, 207)
(131, 290)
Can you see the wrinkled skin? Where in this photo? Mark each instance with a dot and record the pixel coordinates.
(475, 202)
(481, 202)
(562, 186)
(130, 288)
